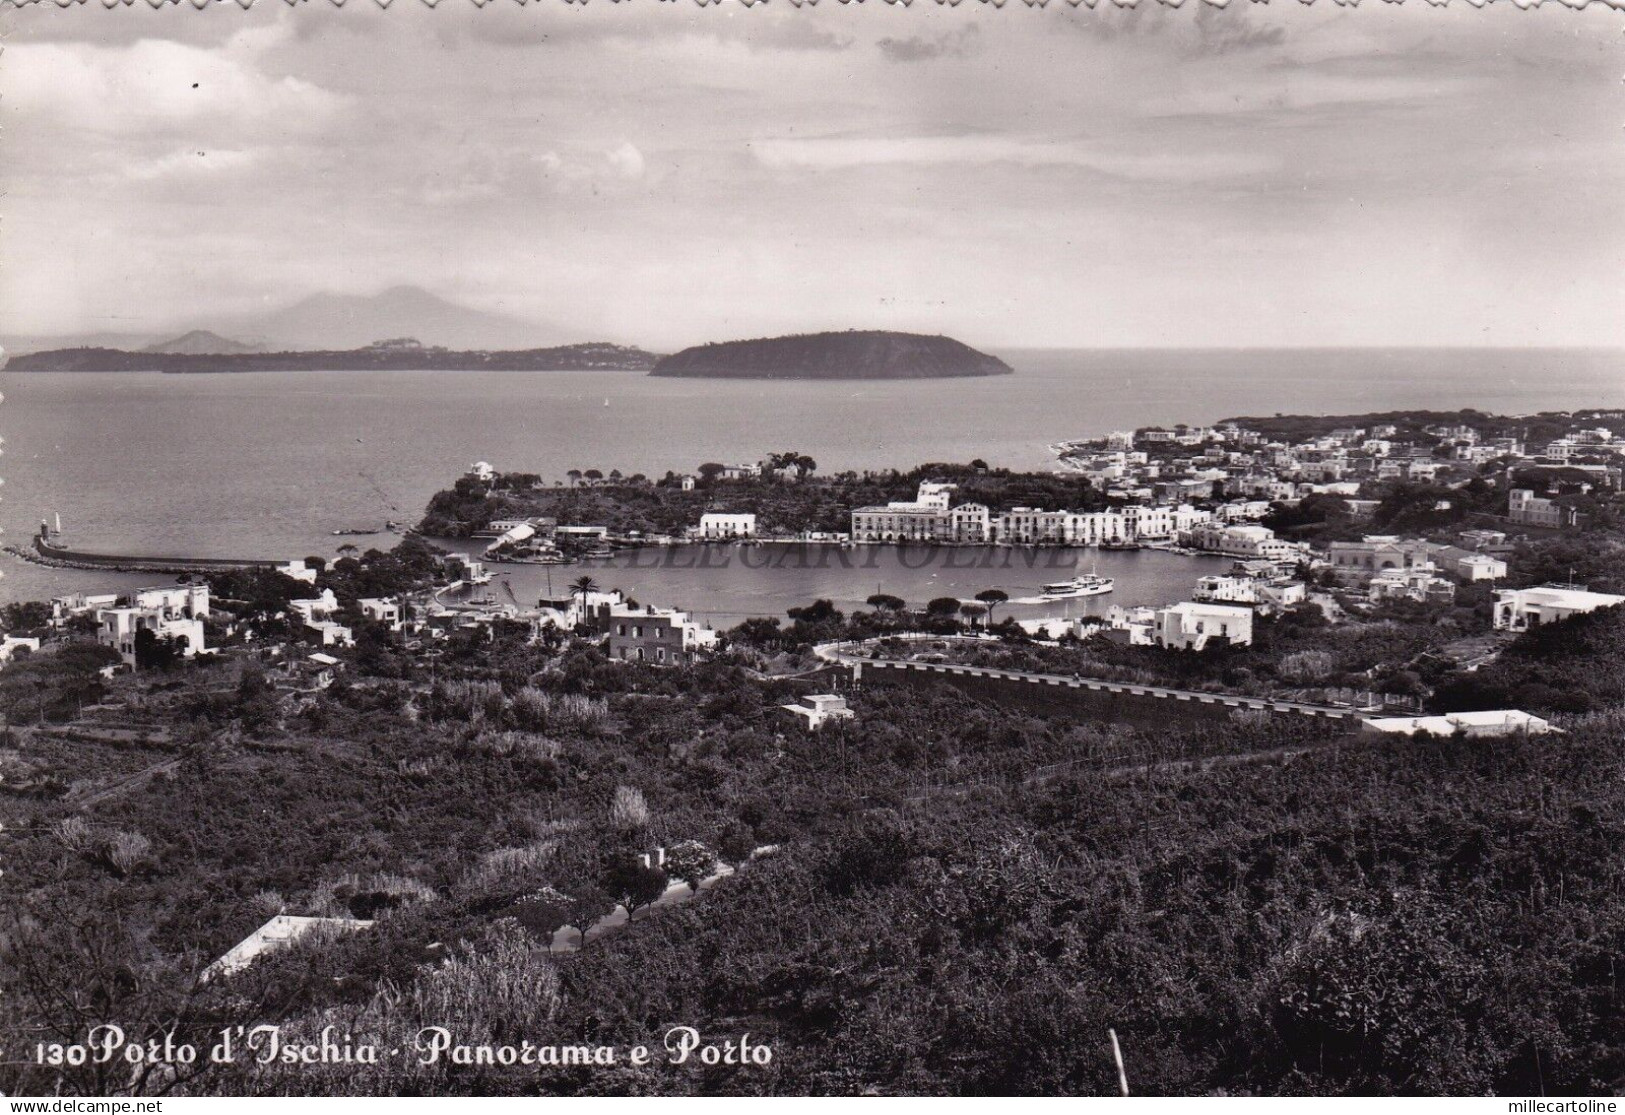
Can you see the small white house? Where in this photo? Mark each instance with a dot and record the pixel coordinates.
(382, 611)
(1499, 722)
(1480, 567)
(278, 933)
(11, 644)
(818, 709)
(316, 617)
(298, 570)
(1192, 626)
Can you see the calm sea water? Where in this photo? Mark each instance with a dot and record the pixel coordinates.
(268, 465)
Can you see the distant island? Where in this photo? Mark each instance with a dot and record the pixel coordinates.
(401, 354)
(856, 354)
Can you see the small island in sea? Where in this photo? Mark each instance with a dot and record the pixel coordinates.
(855, 354)
(403, 354)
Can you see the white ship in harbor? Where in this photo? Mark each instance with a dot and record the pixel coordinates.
(1090, 584)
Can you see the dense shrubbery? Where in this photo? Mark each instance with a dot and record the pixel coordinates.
(963, 899)
(1573, 666)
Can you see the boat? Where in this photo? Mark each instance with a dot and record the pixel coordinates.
(1121, 546)
(1089, 584)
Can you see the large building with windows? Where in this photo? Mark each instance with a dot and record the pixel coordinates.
(660, 636)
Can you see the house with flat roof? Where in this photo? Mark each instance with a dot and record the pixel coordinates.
(1519, 609)
(317, 623)
(1192, 625)
(1499, 722)
(818, 709)
(278, 933)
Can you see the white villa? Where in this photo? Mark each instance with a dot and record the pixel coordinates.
(1192, 625)
(173, 612)
(1519, 609)
(818, 709)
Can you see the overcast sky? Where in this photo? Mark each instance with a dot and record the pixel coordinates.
(664, 174)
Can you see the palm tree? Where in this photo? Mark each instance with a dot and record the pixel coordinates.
(992, 597)
(581, 586)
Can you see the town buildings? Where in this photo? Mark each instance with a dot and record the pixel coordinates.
(1417, 582)
(930, 517)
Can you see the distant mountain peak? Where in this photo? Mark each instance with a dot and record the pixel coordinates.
(329, 321)
(201, 342)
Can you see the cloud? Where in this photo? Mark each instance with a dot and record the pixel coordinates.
(178, 164)
(845, 152)
(626, 160)
(480, 174)
(1226, 31)
(158, 86)
(952, 44)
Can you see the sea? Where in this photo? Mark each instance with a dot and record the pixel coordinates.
(271, 464)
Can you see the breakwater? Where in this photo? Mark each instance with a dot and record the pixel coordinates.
(45, 552)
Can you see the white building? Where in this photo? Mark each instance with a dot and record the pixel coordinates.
(1479, 567)
(278, 933)
(298, 570)
(1519, 609)
(1265, 594)
(380, 610)
(64, 608)
(482, 471)
(11, 644)
(1501, 722)
(663, 636)
(173, 612)
(1419, 583)
(818, 709)
(1242, 541)
(925, 518)
(1135, 626)
(1192, 625)
(720, 525)
(316, 617)
(1525, 507)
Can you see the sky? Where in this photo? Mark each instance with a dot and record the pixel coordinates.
(666, 174)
